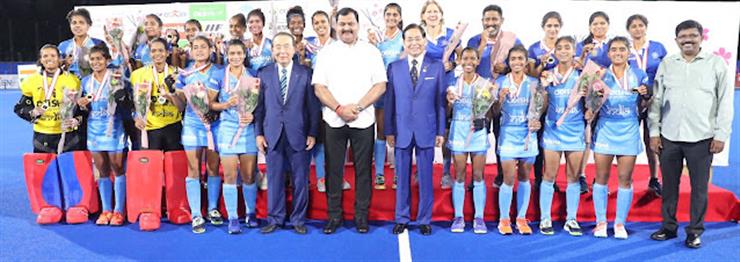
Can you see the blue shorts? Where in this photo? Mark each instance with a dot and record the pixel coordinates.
(475, 153)
(245, 144)
(195, 136)
(526, 160)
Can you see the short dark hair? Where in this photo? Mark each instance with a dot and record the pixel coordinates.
(161, 41)
(238, 42)
(258, 13)
(398, 8)
(689, 24)
(470, 49)
(566, 38)
(346, 11)
(617, 39)
(80, 12)
(292, 38)
(102, 49)
(494, 8)
(46, 46)
(196, 23)
(322, 13)
(414, 26)
(156, 18)
(517, 48)
(640, 17)
(204, 38)
(240, 19)
(552, 15)
(295, 11)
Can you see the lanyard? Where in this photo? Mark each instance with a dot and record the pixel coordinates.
(561, 79)
(641, 56)
(516, 88)
(97, 94)
(227, 87)
(48, 89)
(624, 82)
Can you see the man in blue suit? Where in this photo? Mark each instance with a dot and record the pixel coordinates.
(415, 120)
(287, 119)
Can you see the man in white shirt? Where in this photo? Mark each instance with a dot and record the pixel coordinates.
(349, 77)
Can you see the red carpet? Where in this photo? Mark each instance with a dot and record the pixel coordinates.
(723, 206)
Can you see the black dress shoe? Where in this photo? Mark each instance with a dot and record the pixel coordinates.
(693, 240)
(300, 229)
(332, 226)
(269, 228)
(425, 230)
(363, 228)
(399, 228)
(663, 234)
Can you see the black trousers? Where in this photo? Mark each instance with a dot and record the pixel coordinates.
(47, 143)
(699, 161)
(166, 138)
(335, 148)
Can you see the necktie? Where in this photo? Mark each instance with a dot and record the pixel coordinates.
(284, 84)
(414, 73)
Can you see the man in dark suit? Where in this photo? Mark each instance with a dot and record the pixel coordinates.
(415, 120)
(287, 119)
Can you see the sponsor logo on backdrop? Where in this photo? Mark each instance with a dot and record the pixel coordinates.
(208, 12)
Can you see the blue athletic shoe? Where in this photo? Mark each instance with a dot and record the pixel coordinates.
(479, 226)
(234, 227)
(458, 225)
(251, 221)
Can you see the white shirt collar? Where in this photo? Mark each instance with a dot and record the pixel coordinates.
(289, 68)
(419, 59)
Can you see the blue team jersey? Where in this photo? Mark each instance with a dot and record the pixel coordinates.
(143, 54)
(514, 121)
(598, 54)
(391, 48)
(313, 46)
(229, 120)
(539, 49)
(484, 69)
(617, 130)
(654, 52)
(98, 120)
(192, 119)
(68, 48)
(569, 136)
(260, 56)
(460, 137)
(436, 49)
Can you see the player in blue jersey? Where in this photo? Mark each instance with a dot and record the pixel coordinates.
(391, 48)
(617, 134)
(75, 51)
(153, 30)
(542, 53)
(259, 47)
(468, 138)
(105, 136)
(646, 55)
(517, 153)
(244, 151)
(564, 139)
(194, 138)
(593, 47)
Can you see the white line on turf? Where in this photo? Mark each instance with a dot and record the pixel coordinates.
(404, 247)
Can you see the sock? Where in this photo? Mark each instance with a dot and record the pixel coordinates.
(522, 198)
(600, 198)
(446, 163)
(379, 157)
(318, 158)
(479, 197)
(458, 198)
(104, 186)
(120, 190)
(230, 199)
(624, 202)
(250, 197)
(214, 189)
(572, 198)
(504, 200)
(547, 189)
(192, 186)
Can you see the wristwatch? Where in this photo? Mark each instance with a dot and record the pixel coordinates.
(359, 108)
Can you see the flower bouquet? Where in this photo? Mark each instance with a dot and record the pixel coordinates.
(142, 100)
(66, 113)
(247, 92)
(197, 96)
(483, 98)
(114, 33)
(115, 84)
(536, 104)
(590, 76)
(454, 41)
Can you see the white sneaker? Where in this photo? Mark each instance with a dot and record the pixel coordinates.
(572, 227)
(600, 230)
(620, 232)
(262, 183)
